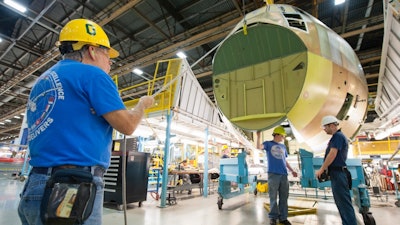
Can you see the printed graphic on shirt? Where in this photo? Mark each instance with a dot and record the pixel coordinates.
(45, 94)
(277, 152)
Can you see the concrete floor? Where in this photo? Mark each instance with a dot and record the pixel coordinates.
(195, 209)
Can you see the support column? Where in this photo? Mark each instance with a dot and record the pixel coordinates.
(205, 173)
(165, 165)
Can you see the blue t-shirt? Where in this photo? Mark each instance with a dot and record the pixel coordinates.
(276, 156)
(64, 115)
(338, 141)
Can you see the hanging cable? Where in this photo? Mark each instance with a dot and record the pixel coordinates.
(124, 179)
(213, 49)
(244, 19)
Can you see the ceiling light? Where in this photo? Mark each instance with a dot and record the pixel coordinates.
(137, 71)
(1, 39)
(15, 5)
(17, 117)
(181, 55)
(7, 120)
(338, 2)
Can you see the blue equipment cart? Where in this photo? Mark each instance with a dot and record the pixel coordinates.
(234, 171)
(309, 165)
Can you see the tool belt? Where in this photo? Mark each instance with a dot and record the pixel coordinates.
(96, 170)
(69, 196)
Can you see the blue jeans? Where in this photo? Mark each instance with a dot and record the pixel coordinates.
(341, 195)
(278, 185)
(31, 197)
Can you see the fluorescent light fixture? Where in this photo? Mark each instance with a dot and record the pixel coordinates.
(137, 71)
(1, 39)
(15, 5)
(17, 117)
(181, 55)
(338, 2)
(7, 120)
(1, 123)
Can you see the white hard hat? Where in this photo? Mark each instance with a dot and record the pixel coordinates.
(328, 120)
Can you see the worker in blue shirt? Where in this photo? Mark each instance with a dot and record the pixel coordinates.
(278, 183)
(71, 113)
(335, 163)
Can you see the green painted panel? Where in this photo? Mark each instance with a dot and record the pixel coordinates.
(258, 78)
(262, 43)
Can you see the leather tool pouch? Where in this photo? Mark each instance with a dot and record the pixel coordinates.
(349, 179)
(68, 198)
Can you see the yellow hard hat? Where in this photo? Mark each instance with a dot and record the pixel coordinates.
(279, 130)
(224, 147)
(86, 32)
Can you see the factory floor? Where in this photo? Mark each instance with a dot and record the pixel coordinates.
(194, 209)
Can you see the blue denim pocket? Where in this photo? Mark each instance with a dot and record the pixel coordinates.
(34, 187)
(31, 197)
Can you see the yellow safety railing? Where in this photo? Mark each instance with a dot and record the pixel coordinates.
(375, 147)
(160, 86)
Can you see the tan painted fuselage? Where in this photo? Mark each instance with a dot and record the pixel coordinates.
(281, 63)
